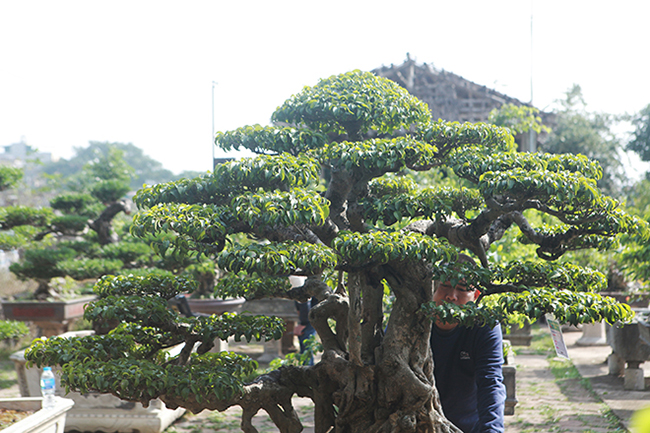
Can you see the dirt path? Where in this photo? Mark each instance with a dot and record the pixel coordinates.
(546, 405)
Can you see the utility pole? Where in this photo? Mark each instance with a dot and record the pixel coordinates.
(214, 83)
(532, 135)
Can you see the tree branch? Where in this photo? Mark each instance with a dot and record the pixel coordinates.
(354, 318)
(337, 193)
(102, 224)
(335, 306)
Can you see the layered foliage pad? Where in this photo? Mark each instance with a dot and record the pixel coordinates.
(83, 236)
(9, 176)
(133, 362)
(330, 193)
(11, 329)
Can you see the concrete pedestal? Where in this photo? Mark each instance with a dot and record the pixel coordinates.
(272, 350)
(219, 346)
(634, 379)
(629, 347)
(509, 380)
(615, 365)
(593, 334)
(282, 308)
(519, 336)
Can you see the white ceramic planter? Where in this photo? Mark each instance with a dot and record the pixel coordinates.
(42, 420)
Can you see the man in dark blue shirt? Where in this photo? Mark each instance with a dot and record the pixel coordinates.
(467, 366)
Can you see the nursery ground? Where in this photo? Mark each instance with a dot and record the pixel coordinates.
(554, 395)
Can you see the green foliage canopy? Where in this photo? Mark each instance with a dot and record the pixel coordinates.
(578, 131)
(640, 142)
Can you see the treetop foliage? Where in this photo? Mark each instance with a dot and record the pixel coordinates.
(353, 104)
(519, 119)
(640, 142)
(9, 176)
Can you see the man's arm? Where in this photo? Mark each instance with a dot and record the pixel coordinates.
(491, 392)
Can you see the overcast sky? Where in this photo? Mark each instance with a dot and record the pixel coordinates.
(141, 72)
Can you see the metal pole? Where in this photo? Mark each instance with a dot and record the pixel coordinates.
(532, 136)
(531, 52)
(212, 139)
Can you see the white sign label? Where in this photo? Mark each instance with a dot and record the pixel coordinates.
(556, 335)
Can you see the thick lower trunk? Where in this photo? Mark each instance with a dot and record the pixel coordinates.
(367, 380)
(392, 398)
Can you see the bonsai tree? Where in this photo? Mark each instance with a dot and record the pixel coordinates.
(10, 329)
(76, 237)
(68, 239)
(361, 230)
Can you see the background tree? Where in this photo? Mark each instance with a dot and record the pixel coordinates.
(578, 131)
(145, 169)
(10, 329)
(367, 230)
(76, 237)
(636, 257)
(640, 142)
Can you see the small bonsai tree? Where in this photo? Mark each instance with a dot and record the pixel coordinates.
(364, 230)
(10, 329)
(76, 237)
(68, 239)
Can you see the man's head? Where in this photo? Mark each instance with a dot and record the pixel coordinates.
(460, 294)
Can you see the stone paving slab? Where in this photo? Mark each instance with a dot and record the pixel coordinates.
(549, 406)
(591, 362)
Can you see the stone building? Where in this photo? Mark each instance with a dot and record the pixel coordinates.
(451, 97)
(26, 157)
(19, 154)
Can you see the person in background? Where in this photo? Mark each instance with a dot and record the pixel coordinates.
(303, 329)
(467, 364)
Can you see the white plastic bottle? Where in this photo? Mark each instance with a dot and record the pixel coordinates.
(48, 387)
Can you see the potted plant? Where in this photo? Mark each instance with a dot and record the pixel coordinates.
(30, 418)
(203, 299)
(72, 238)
